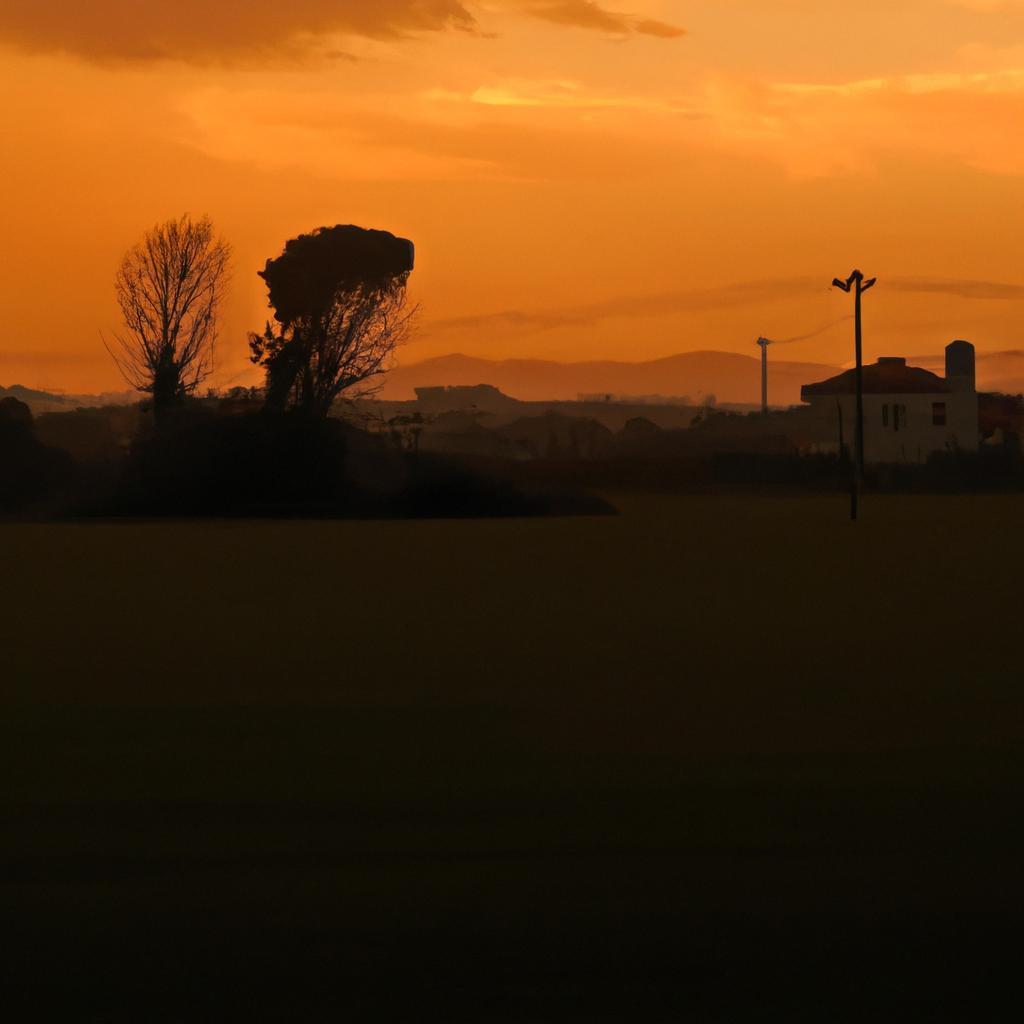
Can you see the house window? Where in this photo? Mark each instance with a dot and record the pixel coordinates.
(896, 410)
(885, 415)
(938, 414)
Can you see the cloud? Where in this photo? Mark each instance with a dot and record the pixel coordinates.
(559, 94)
(659, 304)
(198, 30)
(962, 289)
(987, 6)
(1007, 80)
(745, 293)
(48, 357)
(819, 129)
(438, 136)
(590, 15)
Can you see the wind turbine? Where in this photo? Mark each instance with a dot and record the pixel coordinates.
(765, 342)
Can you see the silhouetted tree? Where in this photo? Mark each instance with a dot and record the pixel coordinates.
(339, 301)
(29, 471)
(170, 287)
(406, 431)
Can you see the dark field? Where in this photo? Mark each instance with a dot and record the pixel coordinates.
(714, 759)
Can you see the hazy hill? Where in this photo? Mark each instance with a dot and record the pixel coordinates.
(729, 376)
(996, 371)
(45, 401)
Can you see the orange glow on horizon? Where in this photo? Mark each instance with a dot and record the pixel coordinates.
(580, 183)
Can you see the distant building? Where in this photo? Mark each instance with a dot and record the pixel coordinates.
(909, 413)
(459, 397)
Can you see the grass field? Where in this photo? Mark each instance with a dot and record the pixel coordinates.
(715, 758)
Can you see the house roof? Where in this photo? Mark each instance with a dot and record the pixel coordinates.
(889, 376)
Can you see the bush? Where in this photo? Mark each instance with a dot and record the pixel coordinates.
(285, 465)
(30, 472)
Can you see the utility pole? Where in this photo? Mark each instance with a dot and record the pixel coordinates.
(764, 343)
(856, 283)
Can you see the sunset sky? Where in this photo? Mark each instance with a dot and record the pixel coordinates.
(581, 180)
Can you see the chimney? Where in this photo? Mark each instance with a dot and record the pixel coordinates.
(960, 366)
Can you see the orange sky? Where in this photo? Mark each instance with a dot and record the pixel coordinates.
(624, 181)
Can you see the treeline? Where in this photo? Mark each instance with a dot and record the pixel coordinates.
(997, 470)
(339, 303)
(206, 462)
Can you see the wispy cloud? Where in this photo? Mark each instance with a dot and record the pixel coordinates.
(963, 289)
(819, 129)
(746, 293)
(652, 305)
(440, 137)
(55, 357)
(590, 15)
(987, 6)
(1008, 80)
(557, 94)
(198, 31)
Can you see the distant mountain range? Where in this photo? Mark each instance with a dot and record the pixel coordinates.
(729, 376)
(47, 401)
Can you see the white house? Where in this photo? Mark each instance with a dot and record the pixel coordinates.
(908, 412)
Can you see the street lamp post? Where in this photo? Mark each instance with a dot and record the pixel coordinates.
(764, 343)
(856, 283)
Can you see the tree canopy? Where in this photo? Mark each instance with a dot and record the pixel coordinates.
(339, 301)
(305, 279)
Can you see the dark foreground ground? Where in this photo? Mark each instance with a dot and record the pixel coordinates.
(714, 759)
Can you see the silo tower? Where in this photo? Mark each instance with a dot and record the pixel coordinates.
(960, 366)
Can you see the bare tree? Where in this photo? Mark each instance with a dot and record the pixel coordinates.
(339, 297)
(170, 287)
